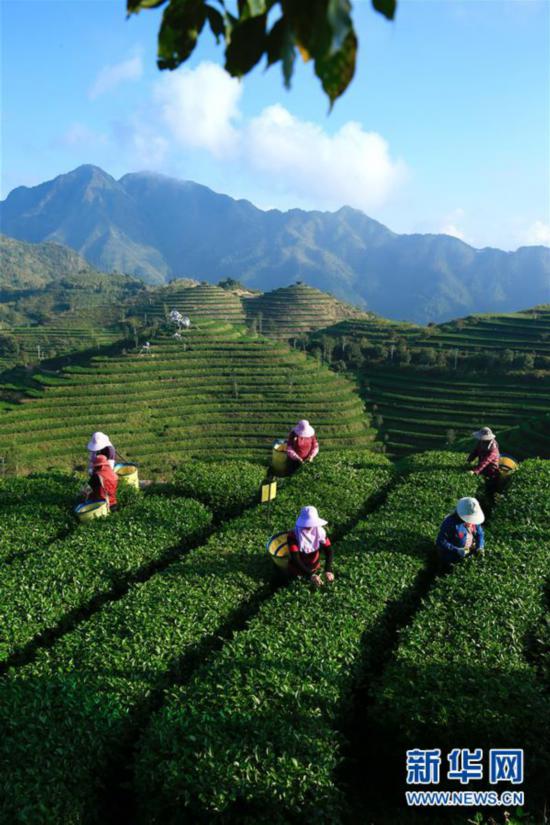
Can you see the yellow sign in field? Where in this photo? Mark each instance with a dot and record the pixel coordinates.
(268, 492)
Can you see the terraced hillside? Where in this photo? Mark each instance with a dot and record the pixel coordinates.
(519, 332)
(373, 329)
(525, 332)
(45, 341)
(294, 310)
(216, 392)
(419, 411)
(428, 387)
(201, 301)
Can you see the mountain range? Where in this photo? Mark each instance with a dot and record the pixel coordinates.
(158, 228)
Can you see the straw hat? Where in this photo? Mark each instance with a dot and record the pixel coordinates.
(485, 434)
(304, 429)
(470, 511)
(98, 441)
(309, 517)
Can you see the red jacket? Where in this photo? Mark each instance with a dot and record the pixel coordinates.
(104, 481)
(305, 564)
(489, 458)
(300, 447)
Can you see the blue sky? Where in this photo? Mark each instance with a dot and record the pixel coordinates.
(445, 128)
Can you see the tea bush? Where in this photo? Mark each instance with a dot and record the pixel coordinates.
(257, 729)
(33, 512)
(66, 716)
(38, 590)
(461, 675)
(225, 487)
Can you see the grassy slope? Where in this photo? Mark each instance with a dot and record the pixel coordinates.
(215, 393)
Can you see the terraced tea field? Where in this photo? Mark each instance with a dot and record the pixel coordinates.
(217, 392)
(472, 641)
(57, 340)
(283, 313)
(518, 331)
(171, 681)
(420, 411)
(202, 301)
(374, 329)
(529, 439)
(527, 332)
(418, 408)
(295, 310)
(44, 341)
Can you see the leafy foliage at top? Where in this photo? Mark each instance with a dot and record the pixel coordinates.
(320, 30)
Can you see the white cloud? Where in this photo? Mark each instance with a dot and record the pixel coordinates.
(292, 156)
(352, 166)
(538, 234)
(112, 76)
(199, 106)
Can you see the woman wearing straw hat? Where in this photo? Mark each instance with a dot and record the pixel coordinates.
(306, 543)
(302, 445)
(100, 444)
(103, 483)
(461, 532)
(488, 454)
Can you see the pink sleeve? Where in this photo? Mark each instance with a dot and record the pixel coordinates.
(315, 448)
(291, 454)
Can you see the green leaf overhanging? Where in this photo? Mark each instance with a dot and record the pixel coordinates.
(182, 23)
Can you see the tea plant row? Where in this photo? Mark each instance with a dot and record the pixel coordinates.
(33, 512)
(257, 728)
(463, 674)
(38, 590)
(65, 715)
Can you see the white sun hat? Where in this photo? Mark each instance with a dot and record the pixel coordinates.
(485, 434)
(469, 510)
(98, 441)
(309, 517)
(303, 429)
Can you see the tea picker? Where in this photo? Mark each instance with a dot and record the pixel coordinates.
(461, 533)
(494, 467)
(300, 446)
(297, 553)
(101, 498)
(487, 453)
(100, 444)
